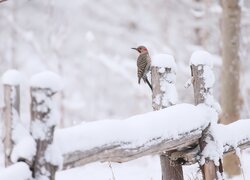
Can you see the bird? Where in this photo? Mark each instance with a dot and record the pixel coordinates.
(143, 65)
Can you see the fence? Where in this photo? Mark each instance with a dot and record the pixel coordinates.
(176, 147)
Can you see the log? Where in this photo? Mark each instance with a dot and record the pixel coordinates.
(126, 151)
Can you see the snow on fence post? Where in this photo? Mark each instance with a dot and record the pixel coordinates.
(165, 95)
(43, 86)
(11, 80)
(203, 80)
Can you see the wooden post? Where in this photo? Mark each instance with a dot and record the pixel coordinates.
(11, 110)
(201, 92)
(43, 125)
(163, 79)
(231, 100)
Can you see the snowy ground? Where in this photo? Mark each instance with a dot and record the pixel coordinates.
(146, 168)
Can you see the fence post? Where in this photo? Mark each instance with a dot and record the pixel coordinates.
(43, 87)
(165, 95)
(11, 81)
(202, 78)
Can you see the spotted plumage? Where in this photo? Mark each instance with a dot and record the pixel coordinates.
(143, 64)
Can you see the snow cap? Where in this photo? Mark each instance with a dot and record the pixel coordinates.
(164, 60)
(47, 79)
(12, 77)
(17, 171)
(201, 57)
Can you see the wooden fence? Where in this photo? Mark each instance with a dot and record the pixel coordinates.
(174, 152)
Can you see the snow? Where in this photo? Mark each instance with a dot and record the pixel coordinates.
(83, 39)
(53, 155)
(47, 79)
(24, 144)
(208, 76)
(18, 171)
(12, 77)
(170, 96)
(39, 129)
(146, 168)
(188, 82)
(44, 104)
(201, 57)
(234, 133)
(245, 159)
(164, 61)
(142, 128)
(225, 137)
(90, 36)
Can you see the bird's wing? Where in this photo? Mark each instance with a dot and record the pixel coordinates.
(142, 63)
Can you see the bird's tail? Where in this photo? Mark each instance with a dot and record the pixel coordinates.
(146, 80)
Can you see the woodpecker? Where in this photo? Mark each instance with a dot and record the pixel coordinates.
(143, 64)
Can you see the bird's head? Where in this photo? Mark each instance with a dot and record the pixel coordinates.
(141, 49)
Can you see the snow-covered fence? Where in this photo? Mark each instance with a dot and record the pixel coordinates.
(174, 129)
(43, 87)
(203, 80)
(165, 95)
(163, 81)
(170, 131)
(11, 83)
(19, 145)
(132, 138)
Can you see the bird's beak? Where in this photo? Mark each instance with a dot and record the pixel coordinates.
(134, 48)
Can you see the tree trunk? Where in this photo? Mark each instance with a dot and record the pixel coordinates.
(169, 172)
(230, 94)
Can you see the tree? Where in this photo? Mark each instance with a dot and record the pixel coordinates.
(230, 94)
